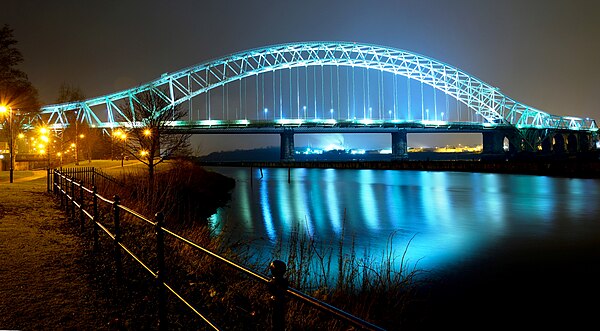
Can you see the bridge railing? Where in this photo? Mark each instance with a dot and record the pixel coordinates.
(78, 196)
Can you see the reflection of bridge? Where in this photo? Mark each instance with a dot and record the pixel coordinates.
(324, 87)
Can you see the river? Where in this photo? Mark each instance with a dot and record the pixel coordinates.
(476, 227)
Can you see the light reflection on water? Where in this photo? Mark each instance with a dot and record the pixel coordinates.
(453, 216)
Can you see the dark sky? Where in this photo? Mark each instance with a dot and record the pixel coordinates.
(543, 53)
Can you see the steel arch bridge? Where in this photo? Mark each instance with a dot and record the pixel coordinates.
(489, 105)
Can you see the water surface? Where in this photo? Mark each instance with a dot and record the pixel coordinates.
(452, 216)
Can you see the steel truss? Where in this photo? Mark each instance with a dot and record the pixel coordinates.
(480, 97)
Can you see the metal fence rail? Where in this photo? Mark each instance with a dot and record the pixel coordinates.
(70, 186)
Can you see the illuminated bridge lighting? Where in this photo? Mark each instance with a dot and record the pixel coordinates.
(319, 84)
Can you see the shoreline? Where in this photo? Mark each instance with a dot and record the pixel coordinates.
(571, 168)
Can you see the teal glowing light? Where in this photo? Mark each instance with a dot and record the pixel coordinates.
(290, 121)
(480, 97)
(265, 204)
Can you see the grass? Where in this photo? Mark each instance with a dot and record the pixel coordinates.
(114, 168)
(368, 288)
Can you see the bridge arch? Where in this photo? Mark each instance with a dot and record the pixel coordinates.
(481, 98)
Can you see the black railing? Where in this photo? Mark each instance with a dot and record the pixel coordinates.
(82, 203)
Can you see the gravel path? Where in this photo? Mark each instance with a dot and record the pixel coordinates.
(42, 282)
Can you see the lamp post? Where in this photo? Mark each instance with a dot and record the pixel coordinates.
(123, 136)
(5, 109)
(45, 138)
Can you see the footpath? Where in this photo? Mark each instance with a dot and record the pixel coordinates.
(43, 285)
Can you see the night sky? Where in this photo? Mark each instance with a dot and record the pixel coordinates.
(543, 53)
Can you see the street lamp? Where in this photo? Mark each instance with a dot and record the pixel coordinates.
(123, 136)
(4, 110)
(119, 134)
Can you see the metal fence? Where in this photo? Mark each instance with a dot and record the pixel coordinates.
(78, 195)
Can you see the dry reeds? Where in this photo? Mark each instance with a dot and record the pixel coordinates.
(376, 289)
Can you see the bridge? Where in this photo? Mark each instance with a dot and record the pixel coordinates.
(337, 87)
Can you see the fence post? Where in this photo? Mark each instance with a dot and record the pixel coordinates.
(277, 286)
(59, 188)
(117, 236)
(58, 179)
(66, 190)
(93, 176)
(63, 191)
(54, 181)
(72, 199)
(160, 260)
(95, 221)
(81, 206)
(48, 179)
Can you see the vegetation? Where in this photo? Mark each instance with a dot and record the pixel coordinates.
(147, 141)
(78, 137)
(185, 193)
(377, 290)
(16, 91)
(18, 97)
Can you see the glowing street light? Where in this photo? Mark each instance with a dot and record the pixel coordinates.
(123, 136)
(4, 110)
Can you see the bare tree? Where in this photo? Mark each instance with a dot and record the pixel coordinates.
(152, 139)
(78, 136)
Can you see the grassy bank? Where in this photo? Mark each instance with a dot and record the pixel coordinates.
(381, 291)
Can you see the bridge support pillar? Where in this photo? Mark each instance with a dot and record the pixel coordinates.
(399, 145)
(558, 145)
(493, 143)
(287, 145)
(547, 145)
(584, 142)
(573, 143)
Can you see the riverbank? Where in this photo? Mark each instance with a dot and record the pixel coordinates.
(572, 168)
(43, 284)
